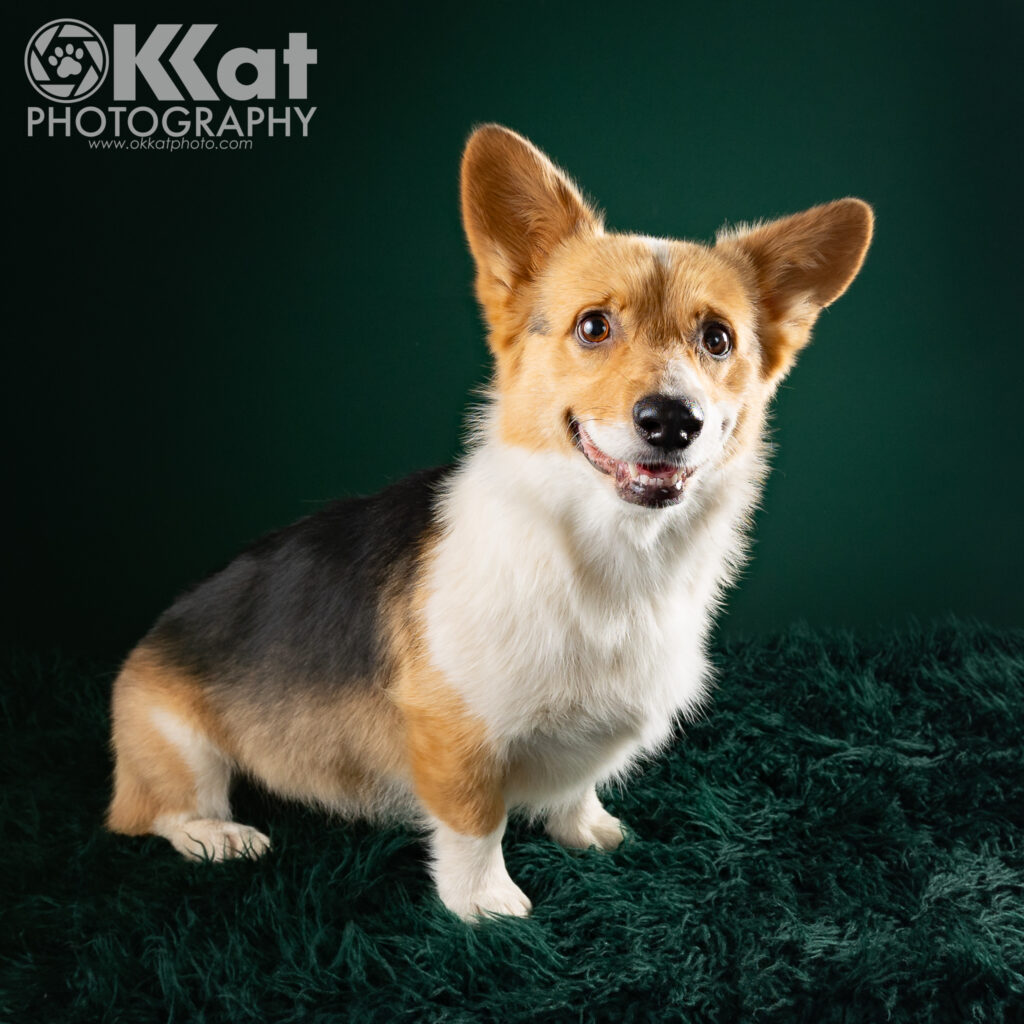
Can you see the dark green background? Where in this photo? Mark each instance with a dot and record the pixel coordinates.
(206, 345)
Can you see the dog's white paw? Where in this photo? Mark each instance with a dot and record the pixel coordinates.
(211, 839)
(606, 833)
(471, 876)
(496, 896)
(586, 825)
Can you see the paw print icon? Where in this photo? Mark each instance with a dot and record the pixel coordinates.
(66, 60)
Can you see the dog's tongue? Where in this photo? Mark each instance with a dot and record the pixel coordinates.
(658, 470)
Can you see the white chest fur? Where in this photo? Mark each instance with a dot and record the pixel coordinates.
(570, 622)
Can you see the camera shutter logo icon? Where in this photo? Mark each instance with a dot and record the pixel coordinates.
(66, 60)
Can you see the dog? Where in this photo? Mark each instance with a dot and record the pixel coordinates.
(510, 632)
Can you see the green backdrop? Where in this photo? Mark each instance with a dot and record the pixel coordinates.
(205, 345)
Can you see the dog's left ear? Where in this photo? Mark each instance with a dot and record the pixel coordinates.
(800, 264)
(517, 207)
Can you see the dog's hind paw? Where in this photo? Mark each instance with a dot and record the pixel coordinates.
(214, 840)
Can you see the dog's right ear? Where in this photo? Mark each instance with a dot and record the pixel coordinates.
(516, 208)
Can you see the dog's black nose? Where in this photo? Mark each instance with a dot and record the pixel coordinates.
(668, 423)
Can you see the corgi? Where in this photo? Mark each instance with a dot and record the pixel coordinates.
(508, 633)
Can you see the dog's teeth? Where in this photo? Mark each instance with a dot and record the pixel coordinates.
(641, 479)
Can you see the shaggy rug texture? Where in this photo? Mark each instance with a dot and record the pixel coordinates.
(840, 839)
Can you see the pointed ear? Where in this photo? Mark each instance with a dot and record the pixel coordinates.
(516, 208)
(800, 264)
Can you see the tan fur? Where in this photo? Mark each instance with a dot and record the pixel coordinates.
(796, 266)
(656, 310)
(453, 772)
(334, 751)
(513, 240)
(150, 776)
(767, 283)
(450, 761)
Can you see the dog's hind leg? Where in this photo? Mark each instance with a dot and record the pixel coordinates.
(171, 777)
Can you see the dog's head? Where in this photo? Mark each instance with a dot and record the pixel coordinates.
(652, 359)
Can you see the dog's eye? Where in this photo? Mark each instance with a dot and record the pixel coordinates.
(593, 328)
(716, 339)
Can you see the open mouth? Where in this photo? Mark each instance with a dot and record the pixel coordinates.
(652, 484)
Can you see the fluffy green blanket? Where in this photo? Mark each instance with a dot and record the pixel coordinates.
(839, 840)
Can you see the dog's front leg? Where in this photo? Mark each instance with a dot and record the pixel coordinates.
(459, 783)
(470, 874)
(583, 822)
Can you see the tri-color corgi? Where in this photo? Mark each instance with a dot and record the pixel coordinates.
(508, 633)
